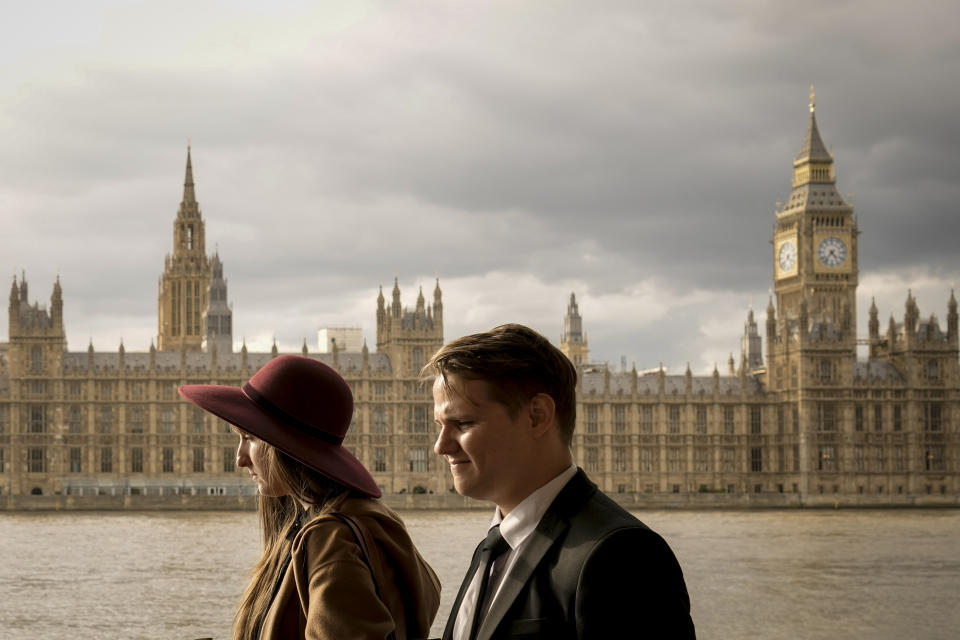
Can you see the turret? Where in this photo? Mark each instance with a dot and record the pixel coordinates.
(56, 304)
(14, 306)
(218, 316)
(573, 342)
(952, 320)
(395, 310)
(911, 317)
(437, 303)
(750, 344)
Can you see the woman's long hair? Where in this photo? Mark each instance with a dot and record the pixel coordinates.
(277, 516)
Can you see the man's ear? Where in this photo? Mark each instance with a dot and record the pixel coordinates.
(543, 412)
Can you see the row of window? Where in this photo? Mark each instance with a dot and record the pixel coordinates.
(931, 418)
(106, 419)
(934, 459)
(138, 390)
(107, 462)
(36, 418)
(419, 460)
(705, 459)
(675, 424)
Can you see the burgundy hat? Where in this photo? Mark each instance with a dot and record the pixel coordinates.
(300, 406)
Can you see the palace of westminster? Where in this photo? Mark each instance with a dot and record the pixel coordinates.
(800, 414)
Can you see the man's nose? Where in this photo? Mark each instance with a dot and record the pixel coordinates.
(445, 443)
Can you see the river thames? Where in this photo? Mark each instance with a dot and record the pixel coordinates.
(751, 574)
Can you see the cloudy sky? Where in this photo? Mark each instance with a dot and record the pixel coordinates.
(630, 152)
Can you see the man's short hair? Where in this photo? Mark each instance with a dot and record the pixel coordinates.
(517, 363)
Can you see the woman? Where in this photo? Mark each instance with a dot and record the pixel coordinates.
(337, 563)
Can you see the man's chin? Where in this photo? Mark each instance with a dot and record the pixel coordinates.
(470, 490)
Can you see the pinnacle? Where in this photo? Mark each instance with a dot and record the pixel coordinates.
(813, 149)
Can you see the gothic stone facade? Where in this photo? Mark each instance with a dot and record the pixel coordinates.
(802, 417)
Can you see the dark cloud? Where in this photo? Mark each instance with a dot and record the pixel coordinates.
(591, 145)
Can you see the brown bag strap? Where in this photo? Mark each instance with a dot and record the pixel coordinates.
(368, 558)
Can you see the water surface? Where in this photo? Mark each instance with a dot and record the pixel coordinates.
(882, 574)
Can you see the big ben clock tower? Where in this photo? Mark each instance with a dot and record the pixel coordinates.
(815, 244)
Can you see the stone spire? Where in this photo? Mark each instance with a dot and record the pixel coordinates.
(750, 344)
(184, 285)
(813, 164)
(813, 148)
(189, 196)
(14, 308)
(218, 316)
(911, 315)
(395, 303)
(952, 319)
(874, 324)
(573, 342)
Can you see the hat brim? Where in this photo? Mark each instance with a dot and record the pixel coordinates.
(333, 461)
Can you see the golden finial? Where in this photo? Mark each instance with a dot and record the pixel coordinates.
(813, 99)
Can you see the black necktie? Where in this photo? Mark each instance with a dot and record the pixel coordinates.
(493, 547)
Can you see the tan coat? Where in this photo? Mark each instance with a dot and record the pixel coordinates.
(328, 592)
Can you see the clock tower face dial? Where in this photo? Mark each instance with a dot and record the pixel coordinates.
(832, 252)
(787, 256)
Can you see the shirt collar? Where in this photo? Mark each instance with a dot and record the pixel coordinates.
(524, 518)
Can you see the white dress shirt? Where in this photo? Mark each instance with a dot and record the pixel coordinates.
(515, 529)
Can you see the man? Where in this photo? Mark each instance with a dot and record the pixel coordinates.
(561, 560)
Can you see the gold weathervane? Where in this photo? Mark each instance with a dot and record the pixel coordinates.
(813, 99)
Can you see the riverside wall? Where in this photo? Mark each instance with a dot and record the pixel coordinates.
(401, 502)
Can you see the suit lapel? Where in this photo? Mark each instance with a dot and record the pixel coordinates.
(552, 526)
(455, 610)
(540, 542)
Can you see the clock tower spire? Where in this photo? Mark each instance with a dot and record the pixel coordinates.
(815, 242)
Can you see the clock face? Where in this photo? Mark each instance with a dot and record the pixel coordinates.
(832, 252)
(787, 256)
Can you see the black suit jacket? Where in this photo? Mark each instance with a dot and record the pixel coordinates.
(590, 570)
